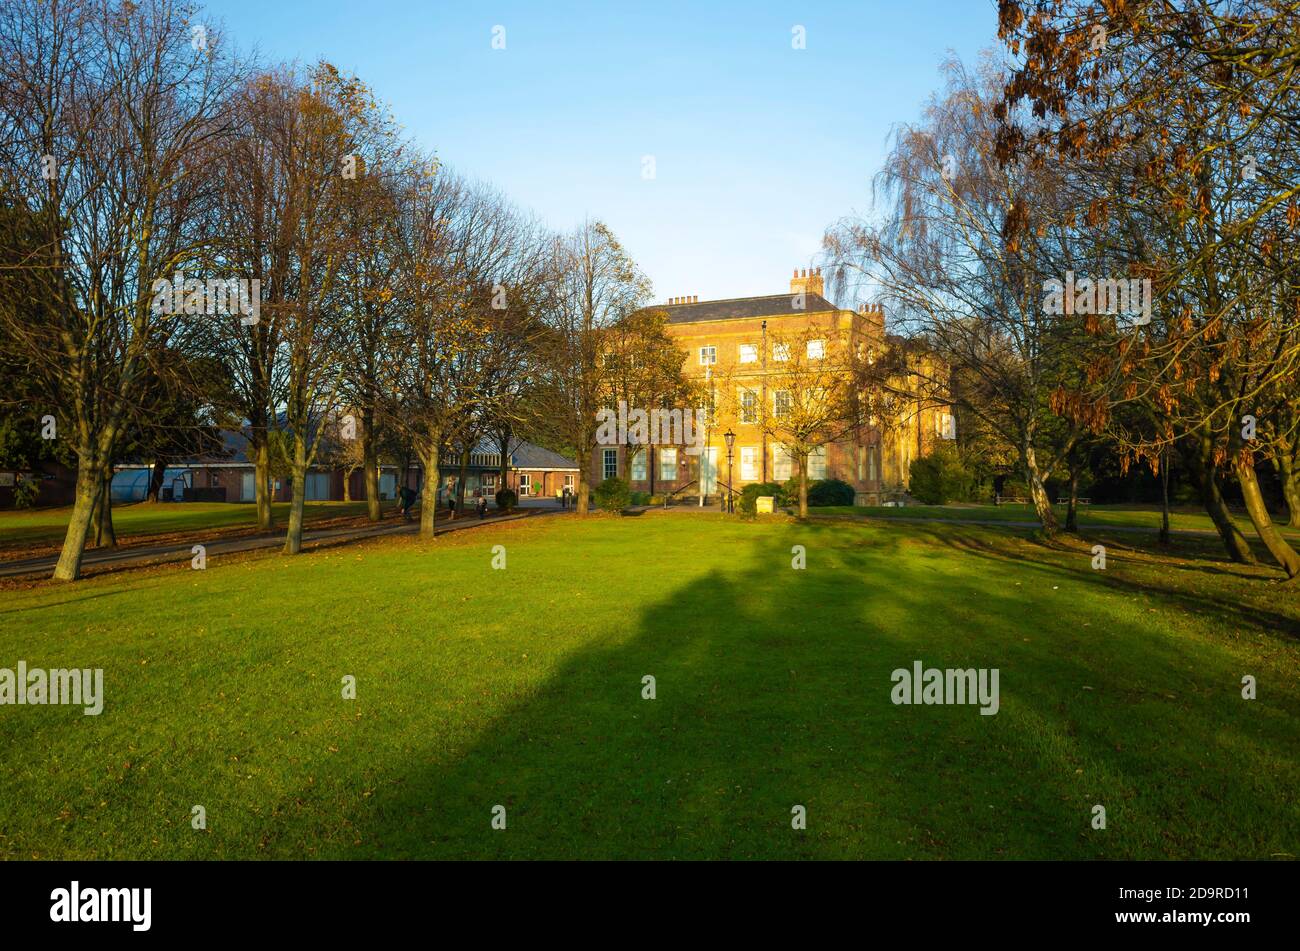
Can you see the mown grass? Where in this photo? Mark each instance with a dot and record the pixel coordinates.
(1132, 516)
(522, 687)
(47, 526)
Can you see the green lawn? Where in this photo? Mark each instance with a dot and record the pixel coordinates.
(1134, 516)
(522, 687)
(47, 526)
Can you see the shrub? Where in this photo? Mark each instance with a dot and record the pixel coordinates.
(641, 498)
(941, 477)
(613, 495)
(748, 502)
(506, 500)
(830, 492)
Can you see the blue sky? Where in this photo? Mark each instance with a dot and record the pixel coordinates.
(757, 146)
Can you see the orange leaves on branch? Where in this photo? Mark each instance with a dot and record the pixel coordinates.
(1166, 399)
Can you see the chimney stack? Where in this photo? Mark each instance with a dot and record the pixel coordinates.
(809, 281)
(874, 315)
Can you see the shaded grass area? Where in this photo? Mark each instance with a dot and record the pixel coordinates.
(31, 530)
(522, 687)
(1134, 516)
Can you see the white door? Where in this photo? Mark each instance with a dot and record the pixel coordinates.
(709, 470)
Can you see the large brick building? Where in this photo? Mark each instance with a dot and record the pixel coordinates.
(742, 345)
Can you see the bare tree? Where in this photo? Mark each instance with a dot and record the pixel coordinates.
(109, 110)
(595, 285)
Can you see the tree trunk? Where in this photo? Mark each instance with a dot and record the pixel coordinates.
(1164, 498)
(1277, 546)
(297, 501)
(1038, 491)
(583, 461)
(460, 483)
(262, 481)
(429, 488)
(74, 541)
(156, 476)
(803, 485)
(1072, 512)
(105, 536)
(504, 443)
(370, 464)
(1234, 542)
(1288, 472)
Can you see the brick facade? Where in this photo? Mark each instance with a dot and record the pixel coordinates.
(875, 462)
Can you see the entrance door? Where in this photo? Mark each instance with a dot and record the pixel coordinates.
(246, 487)
(524, 484)
(709, 470)
(387, 485)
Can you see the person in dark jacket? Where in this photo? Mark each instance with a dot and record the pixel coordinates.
(407, 497)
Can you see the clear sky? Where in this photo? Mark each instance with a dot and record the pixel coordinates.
(757, 146)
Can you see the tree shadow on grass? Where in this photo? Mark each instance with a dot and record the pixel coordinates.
(773, 691)
(1240, 608)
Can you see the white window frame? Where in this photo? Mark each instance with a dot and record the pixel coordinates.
(609, 463)
(748, 414)
(817, 458)
(781, 460)
(780, 352)
(747, 353)
(637, 470)
(816, 349)
(664, 474)
(776, 404)
(708, 356)
(749, 463)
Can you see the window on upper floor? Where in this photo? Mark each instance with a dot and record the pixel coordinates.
(748, 353)
(748, 406)
(816, 349)
(708, 356)
(780, 352)
(781, 404)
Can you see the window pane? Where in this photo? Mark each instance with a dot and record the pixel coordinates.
(748, 353)
(668, 464)
(611, 463)
(817, 463)
(782, 464)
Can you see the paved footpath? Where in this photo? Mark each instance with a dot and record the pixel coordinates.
(162, 554)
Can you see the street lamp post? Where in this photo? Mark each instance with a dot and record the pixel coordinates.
(730, 438)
